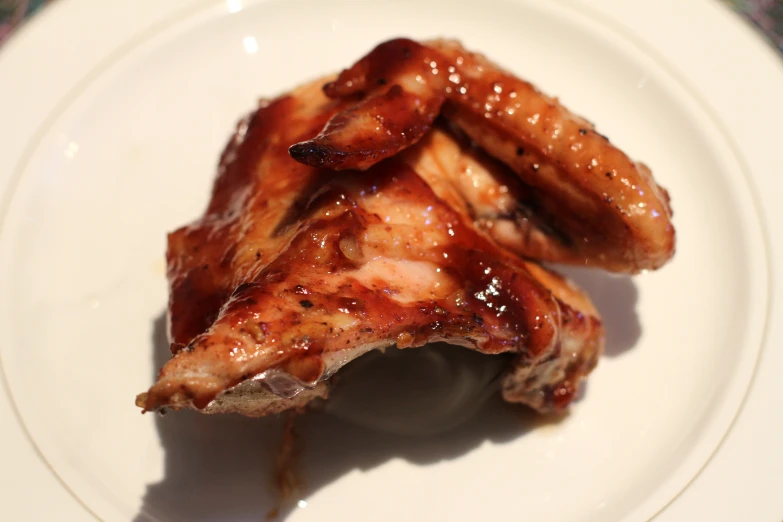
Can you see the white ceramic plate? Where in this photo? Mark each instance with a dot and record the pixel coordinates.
(113, 117)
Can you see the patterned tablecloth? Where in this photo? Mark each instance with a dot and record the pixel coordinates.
(767, 15)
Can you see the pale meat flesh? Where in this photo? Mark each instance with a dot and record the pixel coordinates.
(295, 270)
(594, 205)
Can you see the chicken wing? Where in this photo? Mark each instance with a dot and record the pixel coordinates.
(595, 206)
(295, 270)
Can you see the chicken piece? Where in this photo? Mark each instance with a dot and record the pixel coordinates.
(399, 100)
(478, 185)
(400, 115)
(294, 271)
(595, 205)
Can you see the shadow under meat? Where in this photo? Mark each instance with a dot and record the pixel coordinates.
(222, 467)
(216, 466)
(615, 297)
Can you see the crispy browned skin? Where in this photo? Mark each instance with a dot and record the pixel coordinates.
(593, 204)
(294, 271)
(373, 130)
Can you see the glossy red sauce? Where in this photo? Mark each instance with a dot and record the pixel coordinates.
(269, 277)
(220, 274)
